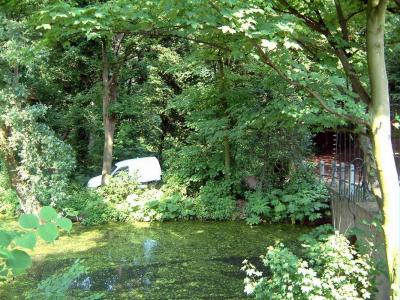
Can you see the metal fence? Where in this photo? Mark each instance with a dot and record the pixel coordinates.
(347, 179)
(394, 113)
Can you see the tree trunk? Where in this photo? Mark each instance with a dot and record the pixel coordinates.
(109, 96)
(370, 170)
(381, 137)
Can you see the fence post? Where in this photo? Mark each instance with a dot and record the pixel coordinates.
(334, 172)
(321, 170)
(351, 181)
(342, 173)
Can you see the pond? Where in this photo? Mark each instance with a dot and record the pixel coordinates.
(171, 260)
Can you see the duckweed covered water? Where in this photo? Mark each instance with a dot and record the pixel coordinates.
(172, 260)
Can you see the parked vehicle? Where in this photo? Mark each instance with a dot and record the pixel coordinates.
(143, 170)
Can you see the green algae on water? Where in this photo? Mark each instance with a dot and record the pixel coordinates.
(171, 260)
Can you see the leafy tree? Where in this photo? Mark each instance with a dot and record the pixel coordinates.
(277, 31)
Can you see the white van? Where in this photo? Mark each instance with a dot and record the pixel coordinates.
(144, 169)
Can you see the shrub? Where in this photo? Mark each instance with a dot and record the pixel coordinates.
(303, 198)
(118, 188)
(153, 205)
(215, 201)
(88, 206)
(176, 207)
(43, 161)
(328, 268)
(257, 207)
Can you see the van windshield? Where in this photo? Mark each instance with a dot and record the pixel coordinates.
(113, 169)
(120, 170)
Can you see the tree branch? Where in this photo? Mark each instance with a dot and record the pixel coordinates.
(382, 6)
(354, 13)
(265, 58)
(342, 20)
(320, 27)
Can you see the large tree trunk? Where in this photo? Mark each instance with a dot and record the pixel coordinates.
(109, 96)
(381, 137)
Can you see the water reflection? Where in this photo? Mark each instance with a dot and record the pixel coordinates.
(148, 249)
(86, 284)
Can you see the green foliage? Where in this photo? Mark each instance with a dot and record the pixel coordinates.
(27, 240)
(56, 286)
(14, 259)
(118, 188)
(152, 205)
(48, 214)
(9, 201)
(43, 161)
(87, 206)
(214, 201)
(328, 268)
(28, 221)
(302, 198)
(48, 232)
(257, 206)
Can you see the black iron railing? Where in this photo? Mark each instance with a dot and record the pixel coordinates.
(347, 179)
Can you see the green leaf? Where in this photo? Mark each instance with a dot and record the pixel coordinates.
(48, 214)
(5, 239)
(5, 253)
(28, 240)
(28, 221)
(48, 232)
(173, 207)
(19, 261)
(64, 223)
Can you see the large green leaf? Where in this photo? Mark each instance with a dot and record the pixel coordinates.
(19, 261)
(48, 232)
(5, 239)
(27, 240)
(64, 223)
(48, 214)
(28, 221)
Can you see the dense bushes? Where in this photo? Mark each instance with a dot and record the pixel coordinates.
(297, 201)
(215, 201)
(88, 206)
(153, 205)
(328, 267)
(302, 198)
(40, 160)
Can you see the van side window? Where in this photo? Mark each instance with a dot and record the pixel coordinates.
(123, 169)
